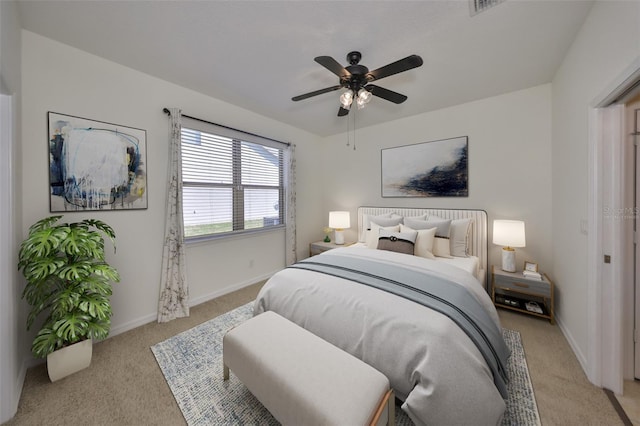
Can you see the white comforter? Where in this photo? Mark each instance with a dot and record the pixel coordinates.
(431, 363)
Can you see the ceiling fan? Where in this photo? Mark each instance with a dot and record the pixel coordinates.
(357, 78)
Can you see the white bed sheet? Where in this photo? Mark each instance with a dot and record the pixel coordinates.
(431, 363)
(470, 264)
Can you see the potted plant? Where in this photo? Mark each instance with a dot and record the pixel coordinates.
(69, 283)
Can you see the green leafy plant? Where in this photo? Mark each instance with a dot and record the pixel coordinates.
(68, 280)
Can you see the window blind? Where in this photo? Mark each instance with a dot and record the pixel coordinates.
(231, 184)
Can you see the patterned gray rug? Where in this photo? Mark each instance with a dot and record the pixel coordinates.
(192, 365)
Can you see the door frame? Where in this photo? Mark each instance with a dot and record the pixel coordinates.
(633, 366)
(604, 284)
(8, 332)
(605, 291)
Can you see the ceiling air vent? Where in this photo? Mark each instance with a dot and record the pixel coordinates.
(477, 6)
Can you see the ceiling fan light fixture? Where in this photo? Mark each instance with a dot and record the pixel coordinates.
(346, 99)
(364, 96)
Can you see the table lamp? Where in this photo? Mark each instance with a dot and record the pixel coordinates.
(509, 234)
(339, 221)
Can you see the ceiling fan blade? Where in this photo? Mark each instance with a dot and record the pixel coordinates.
(342, 112)
(387, 94)
(332, 65)
(315, 93)
(396, 67)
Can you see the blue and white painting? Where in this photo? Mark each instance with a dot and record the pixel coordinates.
(430, 169)
(95, 165)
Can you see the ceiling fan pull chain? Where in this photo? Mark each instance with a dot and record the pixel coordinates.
(354, 130)
(348, 121)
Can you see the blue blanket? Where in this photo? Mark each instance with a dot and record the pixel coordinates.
(430, 290)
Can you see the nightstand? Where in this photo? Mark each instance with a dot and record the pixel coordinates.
(320, 246)
(514, 291)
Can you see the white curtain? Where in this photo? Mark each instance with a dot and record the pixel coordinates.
(174, 292)
(290, 234)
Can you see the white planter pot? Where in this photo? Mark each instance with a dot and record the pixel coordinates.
(69, 359)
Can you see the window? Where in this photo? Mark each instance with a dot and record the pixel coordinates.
(230, 184)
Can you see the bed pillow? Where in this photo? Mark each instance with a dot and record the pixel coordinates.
(373, 234)
(366, 225)
(400, 242)
(460, 237)
(441, 247)
(442, 225)
(421, 217)
(424, 241)
(385, 221)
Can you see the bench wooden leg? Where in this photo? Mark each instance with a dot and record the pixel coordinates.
(388, 402)
(225, 372)
(392, 409)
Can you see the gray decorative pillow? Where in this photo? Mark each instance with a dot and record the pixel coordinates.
(442, 225)
(366, 219)
(385, 221)
(400, 242)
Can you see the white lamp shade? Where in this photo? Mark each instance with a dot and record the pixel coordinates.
(509, 233)
(339, 220)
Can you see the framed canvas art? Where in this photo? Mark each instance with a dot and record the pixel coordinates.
(95, 165)
(429, 169)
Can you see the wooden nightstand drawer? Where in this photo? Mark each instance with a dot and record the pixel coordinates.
(524, 285)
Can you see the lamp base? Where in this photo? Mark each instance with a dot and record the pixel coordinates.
(339, 236)
(508, 259)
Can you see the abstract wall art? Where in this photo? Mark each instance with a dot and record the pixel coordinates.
(429, 169)
(95, 165)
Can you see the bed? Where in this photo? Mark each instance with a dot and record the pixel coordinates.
(439, 367)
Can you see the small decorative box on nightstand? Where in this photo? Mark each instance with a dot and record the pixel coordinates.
(512, 290)
(320, 246)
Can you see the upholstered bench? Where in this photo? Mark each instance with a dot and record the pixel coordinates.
(302, 379)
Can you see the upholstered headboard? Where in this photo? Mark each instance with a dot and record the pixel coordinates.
(478, 244)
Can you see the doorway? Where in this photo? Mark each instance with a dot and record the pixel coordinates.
(610, 248)
(632, 119)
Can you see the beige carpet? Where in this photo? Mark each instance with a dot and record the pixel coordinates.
(124, 385)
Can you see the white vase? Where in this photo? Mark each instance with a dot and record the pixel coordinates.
(70, 359)
(508, 259)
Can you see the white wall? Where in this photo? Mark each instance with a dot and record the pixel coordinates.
(59, 78)
(607, 44)
(509, 164)
(13, 348)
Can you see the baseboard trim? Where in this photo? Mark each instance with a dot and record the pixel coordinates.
(574, 347)
(229, 289)
(17, 393)
(146, 319)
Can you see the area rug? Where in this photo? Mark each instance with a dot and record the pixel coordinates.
(192, 365)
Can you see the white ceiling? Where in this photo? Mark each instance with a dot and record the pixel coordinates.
(259, 54)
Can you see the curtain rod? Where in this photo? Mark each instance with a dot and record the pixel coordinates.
(166, 111)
